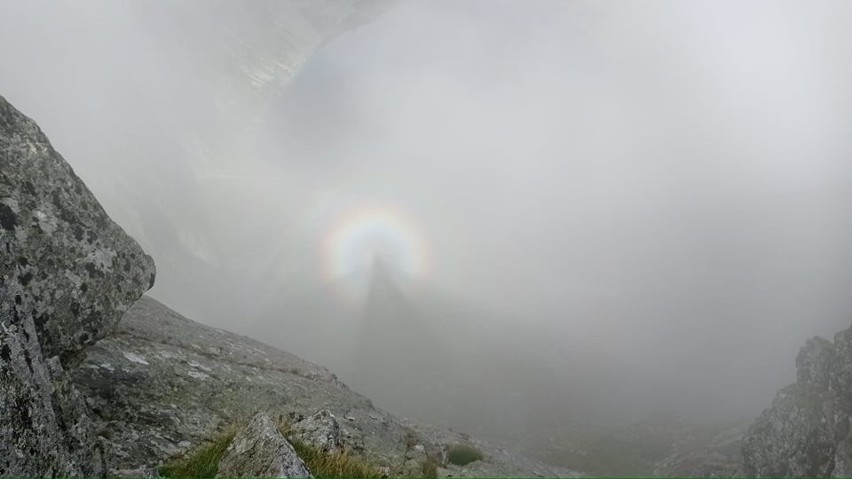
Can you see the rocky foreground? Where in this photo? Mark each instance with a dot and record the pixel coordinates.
(161, 383)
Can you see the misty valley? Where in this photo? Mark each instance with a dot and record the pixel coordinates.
(415, 238)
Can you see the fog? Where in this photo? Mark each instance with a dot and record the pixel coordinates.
(649, 198)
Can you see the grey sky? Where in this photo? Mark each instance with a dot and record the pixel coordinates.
(666, 183)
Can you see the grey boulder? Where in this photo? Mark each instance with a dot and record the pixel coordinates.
(320, 430)
(260, 450)
(67, 274)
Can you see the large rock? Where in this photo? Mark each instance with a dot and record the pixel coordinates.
(67, 274)
(806, 431)
(320, 430)
(260, 450)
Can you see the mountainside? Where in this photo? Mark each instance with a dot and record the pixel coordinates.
(806, 431)
(161, 384)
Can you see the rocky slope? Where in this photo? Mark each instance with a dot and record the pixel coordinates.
(67, 273)
(806, 431)
(161, 383)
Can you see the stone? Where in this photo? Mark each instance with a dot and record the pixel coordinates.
(260, 450)
(320, 430)
(67, 274)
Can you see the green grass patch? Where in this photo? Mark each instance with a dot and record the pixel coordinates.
(200, 462)
(463, 454)
(328, 465)
(334, 465)
(429, 467)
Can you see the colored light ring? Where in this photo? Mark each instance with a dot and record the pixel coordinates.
(367, 231)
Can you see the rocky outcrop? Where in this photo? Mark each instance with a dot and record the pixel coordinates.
(67, 274)
(161, 384)
(806, 431)
(320, 430)
(260, 450)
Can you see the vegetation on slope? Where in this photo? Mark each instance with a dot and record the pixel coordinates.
(329, 465)
(202, 461)
(463, 454)
(334, 465)
(429, 467)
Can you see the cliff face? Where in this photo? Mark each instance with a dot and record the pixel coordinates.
(806, 431)
(67, 274)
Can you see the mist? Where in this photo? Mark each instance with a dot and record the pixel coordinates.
(639, 206)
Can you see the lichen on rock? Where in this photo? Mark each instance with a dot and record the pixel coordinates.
(67, 274)
(320, 430)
